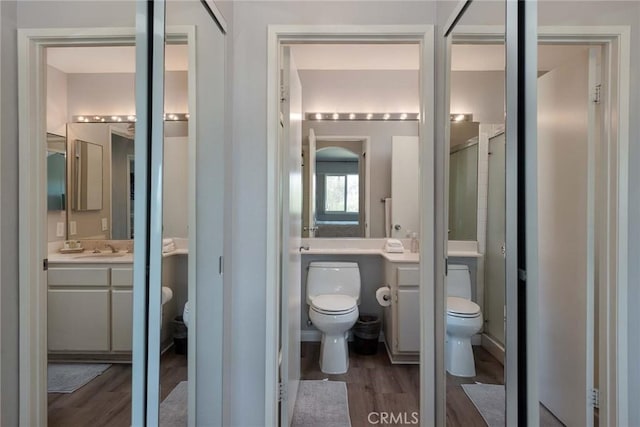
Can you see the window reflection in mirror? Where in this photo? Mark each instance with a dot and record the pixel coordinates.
(337, 192)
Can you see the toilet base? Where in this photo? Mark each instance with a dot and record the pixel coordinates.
(334, 354)
(459, 357)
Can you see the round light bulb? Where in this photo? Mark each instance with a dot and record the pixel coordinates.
(352, 116)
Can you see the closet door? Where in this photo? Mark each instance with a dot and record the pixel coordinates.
(197, 122)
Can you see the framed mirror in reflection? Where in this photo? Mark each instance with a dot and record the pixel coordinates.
(102, 180)
(56, 173)
(335, 180)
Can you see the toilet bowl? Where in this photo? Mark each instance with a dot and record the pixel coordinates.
(334, 315)
(464, 320)
(333, 295)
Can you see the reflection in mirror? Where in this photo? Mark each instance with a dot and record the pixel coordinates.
(87, 169)
(463, 181)
(56, 172)
(338, 191)
(476, 209)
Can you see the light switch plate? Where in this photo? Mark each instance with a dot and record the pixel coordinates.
(104, 224)
(72, 228)
(60, 229)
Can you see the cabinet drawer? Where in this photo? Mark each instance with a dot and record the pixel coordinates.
(408, 276)
(78, 277)
(122, 277)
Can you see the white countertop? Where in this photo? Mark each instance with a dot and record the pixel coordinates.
(88, 257)
(395, 257)
(376, 247)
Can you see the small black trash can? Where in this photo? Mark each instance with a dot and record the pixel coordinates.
(365, 334)
(179, 336)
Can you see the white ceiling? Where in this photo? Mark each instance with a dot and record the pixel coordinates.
(109, 59)
(121, 59)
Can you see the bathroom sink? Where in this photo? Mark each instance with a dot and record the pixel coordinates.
(102, 255)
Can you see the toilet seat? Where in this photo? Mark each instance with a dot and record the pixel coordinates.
(333, 304)
(461, 307)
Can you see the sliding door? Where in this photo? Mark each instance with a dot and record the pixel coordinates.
(497, 42)
(180, 194)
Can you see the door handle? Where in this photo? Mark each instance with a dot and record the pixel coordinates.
(303, 248)
(397, 227)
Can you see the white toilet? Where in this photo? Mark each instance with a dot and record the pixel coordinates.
(333, 295)
(464, 320)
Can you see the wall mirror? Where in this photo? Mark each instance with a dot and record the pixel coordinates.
(103, 162)
(56, 172)
(334, 195)
(100, 173)
(87, 169)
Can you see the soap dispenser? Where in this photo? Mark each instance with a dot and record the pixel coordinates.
(414, 242)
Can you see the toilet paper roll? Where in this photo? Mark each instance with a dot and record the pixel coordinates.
(383, 295)
(167, 295)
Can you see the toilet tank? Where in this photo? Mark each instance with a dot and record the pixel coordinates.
(338, 278)
(459, 281)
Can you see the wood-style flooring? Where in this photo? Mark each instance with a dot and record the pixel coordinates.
(106, 400)
(375, 385)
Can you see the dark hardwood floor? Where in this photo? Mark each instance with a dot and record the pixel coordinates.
(106, 401)
(374, 384)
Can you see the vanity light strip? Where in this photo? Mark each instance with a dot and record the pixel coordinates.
(173, 117)
(364, 116)
(457, 117)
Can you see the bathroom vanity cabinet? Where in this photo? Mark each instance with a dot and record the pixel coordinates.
(402, 317)
(89, 311)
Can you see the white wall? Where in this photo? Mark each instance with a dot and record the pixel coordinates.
(56, 101)
(114, 93)
(480, 93)
(359, 91)
(175, 206)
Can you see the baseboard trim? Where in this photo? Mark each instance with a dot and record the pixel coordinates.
(493, 347)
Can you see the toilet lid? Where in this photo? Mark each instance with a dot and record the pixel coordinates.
(462, 307)
(334, 303)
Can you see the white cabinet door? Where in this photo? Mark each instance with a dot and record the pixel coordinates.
(121, 319)
(78, 320)
(408, 316)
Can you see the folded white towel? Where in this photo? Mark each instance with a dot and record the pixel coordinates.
(168, 248)
(168, 241)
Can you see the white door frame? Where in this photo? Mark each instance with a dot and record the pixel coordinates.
(366, 146)
(32, 201)
(613, 334)
(424, 35)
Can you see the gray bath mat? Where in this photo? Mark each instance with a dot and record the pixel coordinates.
(490, 401)
(68, 377)
(321, 404)
(173, 409)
